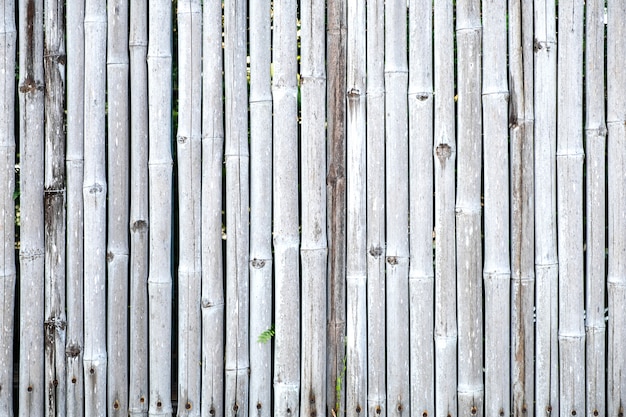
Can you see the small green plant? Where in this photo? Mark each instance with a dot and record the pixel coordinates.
(266, 335)
(339, 383)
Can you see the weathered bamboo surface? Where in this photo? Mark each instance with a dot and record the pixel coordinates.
(312, 208)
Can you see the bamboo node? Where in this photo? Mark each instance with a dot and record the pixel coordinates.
(474, 410)
(595, 412)
(400, 408)
(376, 251)
(258, 405)
(443, 151)
(358, 409)
(573, 412)
(139, 225)
(501, 412)
(116, 404)
(30, 388)
(422, 96)
(257, 263)
(73, 380)
(425, 413)
(392, 260)
(188, 406)
(235, 407)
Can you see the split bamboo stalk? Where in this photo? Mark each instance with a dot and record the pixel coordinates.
(313, 250)
(189, 153)
(521, 114)
(421, 274)
(595, 209)
(336, 200)
(546, 261)
(468, 207)
(31, 105)
(75, 14)
(375, 187)
(237, 203)
(54, 208)
(8, 46)
(616, 278)
(94, 197)
(497, 269)
(138, 320)
(285, 204)
(212, 244)
(118, 207)
(445, 266)
(159, 61)
(356, 259)
(260, 208)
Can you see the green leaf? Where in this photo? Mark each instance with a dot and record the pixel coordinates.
(266, 335)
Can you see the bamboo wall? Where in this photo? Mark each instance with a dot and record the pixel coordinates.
(314, 208)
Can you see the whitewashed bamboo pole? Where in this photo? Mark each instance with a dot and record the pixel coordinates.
(421, 187)
(468, 208)
(138, 320)
(118, 169)
(237, 205)
(497, 270)
(313, 250)
(75, 14)
(54, 208)
(546, 261)
(616, 279)
(285, 204)
(189, 153)
(375, 187)
(595, 209)
(445, 259)
(159, 61)
(8, 46)
(356, 211)
(212, 166)
(31, 105)
(336, 199)
(521, 114)
(260, 208)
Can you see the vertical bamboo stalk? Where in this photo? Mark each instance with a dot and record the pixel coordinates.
(31, 104)
(356, 260)
(159, 60)
(468, 208)
(138, 321)
(286, 233)
(189, 153)
(75, 14)
(313, 250)
(546, 263)
(336, 198)
(54, 208)
(521, 114)
(375, 187)
(421, 274)
(595, 209)
(260, 204)
(445, 265)
(497, 270)
(616, 279)
(118, 207)
(8, 47)
(212, 166)
(237, 203)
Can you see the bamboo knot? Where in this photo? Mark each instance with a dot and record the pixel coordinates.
(30, 85)
(72, 350)
(376, 252)
(443, 151)
(257, 263)
(392, 260)
(139, 226)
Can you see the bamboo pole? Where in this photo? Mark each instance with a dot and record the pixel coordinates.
(336, 200)
(616, 278)
(595, 209)
(212, 244)
(421, 274)
(356, 259)
(75, 14)
(31, 104)
(468, 207)
(497, 269)
(237, 203)
(260, 216)
(313, 250)
(159, 61)
(546, 263)
(138, 320)
(8, 46)
(375, 187)
(445, 266)
(54, 209)
(286, 233)
(521, 115)
(189, 153)
(118, 207)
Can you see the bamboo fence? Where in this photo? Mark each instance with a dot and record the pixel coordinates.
(307, 208)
